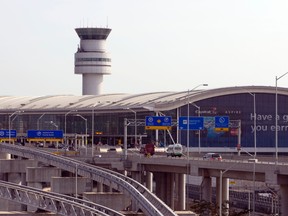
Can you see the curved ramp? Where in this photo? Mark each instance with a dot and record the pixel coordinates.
(148, 202)
(52, 202)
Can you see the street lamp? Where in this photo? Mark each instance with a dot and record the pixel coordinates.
(220, 193)
(85, 119)
(188, 116)
(199, 134)
(9, 123)
(135, 124)
(38, 121)
(53, 123)
(65, 125)
(276, 116)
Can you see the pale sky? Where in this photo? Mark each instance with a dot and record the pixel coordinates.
(155, 45)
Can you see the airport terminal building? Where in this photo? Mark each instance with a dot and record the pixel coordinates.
(101, 118)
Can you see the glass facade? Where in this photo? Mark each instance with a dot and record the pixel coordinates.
(240, 108)
(109, 127)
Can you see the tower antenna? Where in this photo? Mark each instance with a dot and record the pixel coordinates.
(107, 22)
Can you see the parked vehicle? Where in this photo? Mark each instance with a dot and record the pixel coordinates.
(212, 156)
(175, 150)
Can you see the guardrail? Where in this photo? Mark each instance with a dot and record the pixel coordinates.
(148, 202)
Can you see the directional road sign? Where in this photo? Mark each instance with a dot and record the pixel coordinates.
(195, 123)
(221, 122)
(5, 134)
(158, 123)
(57, 134)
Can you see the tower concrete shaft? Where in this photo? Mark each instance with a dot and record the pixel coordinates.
(91, 59)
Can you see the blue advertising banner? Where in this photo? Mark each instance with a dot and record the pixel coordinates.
(45, 134)
(5, 134)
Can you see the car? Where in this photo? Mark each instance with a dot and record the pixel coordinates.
(212, 156)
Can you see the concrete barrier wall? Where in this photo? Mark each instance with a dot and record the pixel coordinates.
(116, 201)
(67, 185)
(42, 174)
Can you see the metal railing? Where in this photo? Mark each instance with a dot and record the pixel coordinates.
(148, 202)
(52, 202)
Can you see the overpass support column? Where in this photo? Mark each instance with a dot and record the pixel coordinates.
(224, 192)
(206, 189)
(136, 176)
(149, 181)
(284, 199)
(181, 191)
(165, 187)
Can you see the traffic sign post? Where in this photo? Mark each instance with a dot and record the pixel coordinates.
(195, 123)
(158, 123)
(221, 122)
(5, 133)
(58, 134)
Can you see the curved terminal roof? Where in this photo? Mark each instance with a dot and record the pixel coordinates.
(155, 101)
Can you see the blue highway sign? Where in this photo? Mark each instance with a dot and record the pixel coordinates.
(45, 134)
(158, 122)
(221, 122)
(5, 134)
(195, 123)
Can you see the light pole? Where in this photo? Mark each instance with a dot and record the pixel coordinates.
(276, 116)
(255, 149)
(65, 126)
(135, 125)
(85, 119)
(199, 134)
(38, 121)
(9, 123)
(220, 188)
(53, 123)
(188, 116)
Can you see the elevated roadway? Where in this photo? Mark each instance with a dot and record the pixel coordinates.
(56, 203)
(148, 202)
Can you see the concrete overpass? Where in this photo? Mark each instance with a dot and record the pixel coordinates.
(169, 174)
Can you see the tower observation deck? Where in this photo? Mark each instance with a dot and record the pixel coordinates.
(91, 59)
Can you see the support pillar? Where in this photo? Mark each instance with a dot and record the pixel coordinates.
(284, 199)
(181, 188)
(225, 190)
(206, 189)
(149, 181)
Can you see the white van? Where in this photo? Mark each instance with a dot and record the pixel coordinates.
(175, 150)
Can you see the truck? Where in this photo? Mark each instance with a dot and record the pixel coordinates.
(174, 150)
(148, 149)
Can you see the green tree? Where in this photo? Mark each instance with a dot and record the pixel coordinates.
(204, 208)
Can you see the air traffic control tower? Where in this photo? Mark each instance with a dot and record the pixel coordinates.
(91, 59)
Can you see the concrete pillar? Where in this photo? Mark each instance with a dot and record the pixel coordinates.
(180, 199)
(67, 185)
(160, 185)
(114, 200)
(99, 187)
(5, 156)
(149, 181)
(284, 199)
(38, 185)
(225, 190)
(170, 190)
(206, 189)
(136, 176)
(181, 192)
